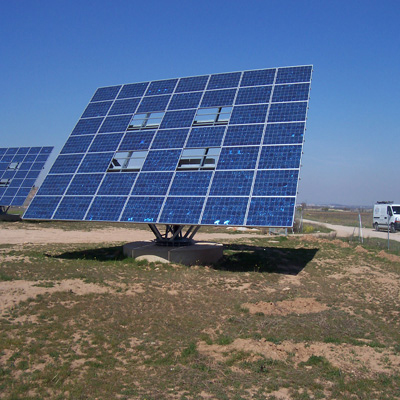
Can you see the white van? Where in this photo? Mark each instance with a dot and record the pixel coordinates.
(386, 214)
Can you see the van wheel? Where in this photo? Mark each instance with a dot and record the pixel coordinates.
(392, 228)
(376, 226)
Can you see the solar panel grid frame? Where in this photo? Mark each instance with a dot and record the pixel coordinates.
(269, 218)
(19, 169)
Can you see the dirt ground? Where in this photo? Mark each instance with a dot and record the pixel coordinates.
(36, 235)
(354, 359)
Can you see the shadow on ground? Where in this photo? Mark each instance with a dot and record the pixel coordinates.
(99, 254)
(246, 258)
(237, 258)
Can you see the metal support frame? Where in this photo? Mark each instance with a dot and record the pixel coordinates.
(4, 209)
(174, 235)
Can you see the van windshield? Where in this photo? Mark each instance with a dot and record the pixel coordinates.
(396, 209)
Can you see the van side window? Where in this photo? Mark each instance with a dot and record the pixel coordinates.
(389, 211)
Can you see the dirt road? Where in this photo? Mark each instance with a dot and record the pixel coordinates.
(37, 235)
(344, 231)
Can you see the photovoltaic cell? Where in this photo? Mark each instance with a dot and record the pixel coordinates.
(254, 95)
(152, 184)
(73, 208)
(106, 208)
(115, 124)
(232, 183)
(169, 139)
(84, 184)
(133, 90)
(17, 163)
(292, 133)
(285, 112)
(238, 157)
(106, 93)
(185, 100)
(218, 98)
(154, 103)
(191, 183)
(77, 144)
(137, 140)
(244, 135)
(280, 157)
(142, 209)
(87, 126)
(206, 136)
(210, 150)
(97, 109)
(106, 142)
(260, 77)
(127, 106)
(185, 209)
(178, 119)
(161, 87)
(225, 211)
(117, 184)
(276, 183)
(192, 84)
(249, 114)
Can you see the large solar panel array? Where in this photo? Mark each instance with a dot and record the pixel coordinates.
(19, 169)
(201, 150)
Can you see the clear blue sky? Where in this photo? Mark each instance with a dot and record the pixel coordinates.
(54, 54)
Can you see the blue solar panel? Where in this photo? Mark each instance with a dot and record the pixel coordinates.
(178, 119)
(115, 124)
(190, 183)
(206, 136)
(87, 126)
(106, 208)
(185, 100)
(73, 208)
(97, 109)
(232, 183)
(19, 169)
(209, 150)
(152, 183)
(192, 84)
(258, 77)
(161, 87)
(84, 184)
(133, 90)
(106, 93)
(218, 98)
(137, 140)
(254, 95)
(117, 184)
(225, 211)
(185, 209)
(106, 142)
(170, 139)
(244, 134)
(127, 106)
(249, 114)
(154, 103)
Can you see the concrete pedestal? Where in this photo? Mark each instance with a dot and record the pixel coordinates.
(197, 253)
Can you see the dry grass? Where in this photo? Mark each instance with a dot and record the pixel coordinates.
(297, 318)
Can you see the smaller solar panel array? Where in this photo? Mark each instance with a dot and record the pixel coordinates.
(19, 169)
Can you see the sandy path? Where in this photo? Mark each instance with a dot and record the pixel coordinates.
(50, 235)
(344, 231)
(36, 235)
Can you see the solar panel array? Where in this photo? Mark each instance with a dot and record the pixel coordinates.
(19, 169)
(202, 150)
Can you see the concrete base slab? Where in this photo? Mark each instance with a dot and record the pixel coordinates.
(197, 253)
